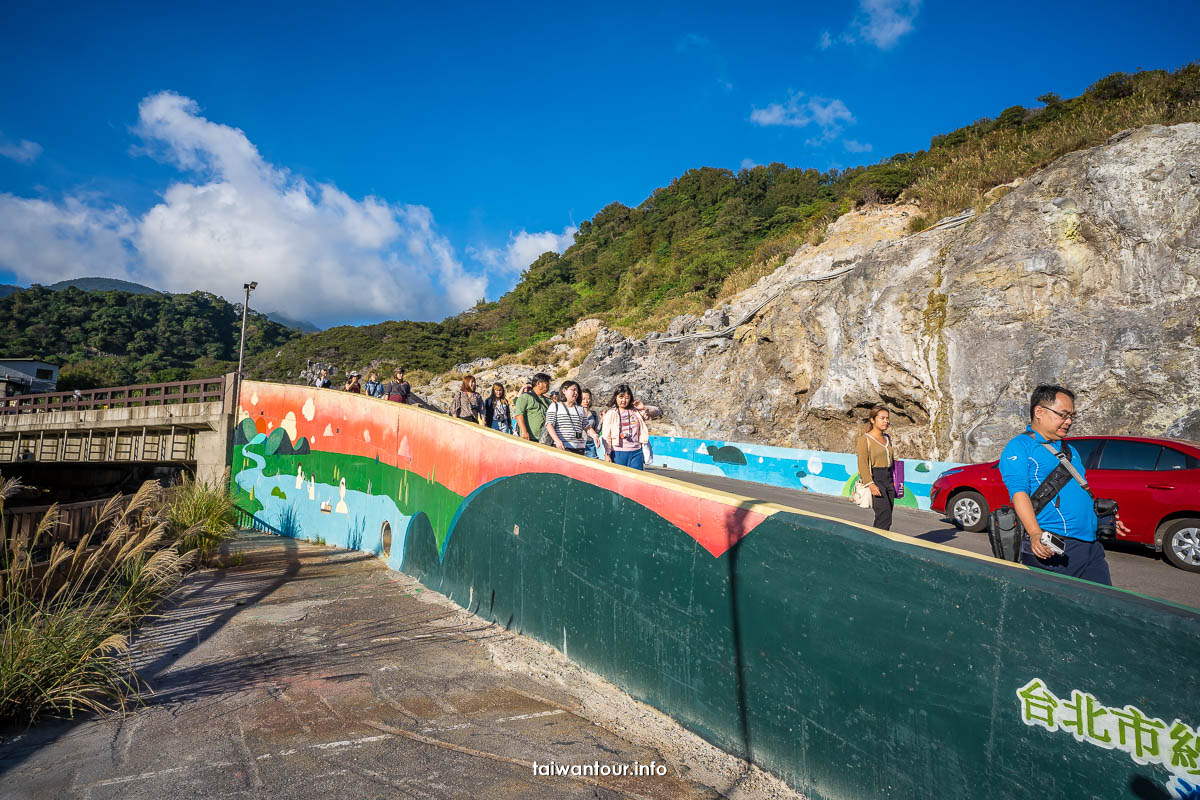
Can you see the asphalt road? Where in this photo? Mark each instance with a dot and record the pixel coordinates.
(1139, 569)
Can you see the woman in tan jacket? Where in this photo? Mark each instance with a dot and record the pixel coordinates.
(876, 464)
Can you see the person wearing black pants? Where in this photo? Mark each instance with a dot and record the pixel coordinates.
(876, 466)
(884, 502)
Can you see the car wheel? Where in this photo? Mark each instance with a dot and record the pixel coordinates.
(1181, 544)
(969, 511)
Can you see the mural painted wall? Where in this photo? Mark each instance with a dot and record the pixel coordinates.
(807, 470)
(851, 662)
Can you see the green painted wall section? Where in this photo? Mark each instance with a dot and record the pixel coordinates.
(412, 492)
(850, 664)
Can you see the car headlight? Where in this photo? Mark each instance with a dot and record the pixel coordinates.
(950, 472)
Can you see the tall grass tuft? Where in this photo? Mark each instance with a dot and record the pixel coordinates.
(65, 623)
(200, 515)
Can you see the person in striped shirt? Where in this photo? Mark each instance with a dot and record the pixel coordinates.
(569, 424)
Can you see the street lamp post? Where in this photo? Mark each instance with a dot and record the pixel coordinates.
(237, 395)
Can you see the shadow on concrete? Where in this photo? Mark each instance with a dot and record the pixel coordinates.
(944, 535)
(207, 601)
(736, 518)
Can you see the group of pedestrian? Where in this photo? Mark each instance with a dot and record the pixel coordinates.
(1061, 532)
(396, 390)
(564, 419)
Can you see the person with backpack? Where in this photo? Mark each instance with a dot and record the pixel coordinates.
(398, 390)
(876, 465)
(1047, 482)
(373, 388)
(529, 410)
(568, 423)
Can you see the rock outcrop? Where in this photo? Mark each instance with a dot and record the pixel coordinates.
(1086, 274)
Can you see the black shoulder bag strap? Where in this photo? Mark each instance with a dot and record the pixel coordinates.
(1063, 474)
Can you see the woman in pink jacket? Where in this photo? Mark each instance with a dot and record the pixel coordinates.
(623, 430)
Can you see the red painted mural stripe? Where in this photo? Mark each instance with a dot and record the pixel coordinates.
(463, 457)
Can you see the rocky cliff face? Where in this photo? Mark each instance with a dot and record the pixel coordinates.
(1087, 274)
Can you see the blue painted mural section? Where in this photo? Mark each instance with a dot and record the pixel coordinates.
(791, 468)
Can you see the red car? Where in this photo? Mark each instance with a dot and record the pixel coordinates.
(1156, 483)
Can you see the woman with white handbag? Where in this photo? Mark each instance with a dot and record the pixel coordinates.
(876, 467)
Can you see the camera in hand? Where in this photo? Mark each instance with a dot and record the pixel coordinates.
(1106, 514)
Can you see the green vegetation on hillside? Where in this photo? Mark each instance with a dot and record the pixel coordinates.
(703, 238)
(118, 338)
(713, 232)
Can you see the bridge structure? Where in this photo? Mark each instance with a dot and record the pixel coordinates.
(185, 423)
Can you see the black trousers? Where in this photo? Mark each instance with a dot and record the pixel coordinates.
(884, 504)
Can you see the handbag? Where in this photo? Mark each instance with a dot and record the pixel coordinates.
(861, 496)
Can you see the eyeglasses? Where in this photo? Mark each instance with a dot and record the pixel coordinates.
(1063, 414)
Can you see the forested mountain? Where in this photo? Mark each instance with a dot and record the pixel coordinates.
(103, 285)
(111, 338)
(706, 236)
(713, 232)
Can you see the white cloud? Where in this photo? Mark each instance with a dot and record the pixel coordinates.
(24, 151)
(44, 242)
(853, 146)
(883, 22)
(315, 251)
(690, 41)
(799, 111)
(523, 249)
(748, 163)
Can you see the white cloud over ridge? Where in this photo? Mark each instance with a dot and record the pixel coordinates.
(523, 249)
(23, 151)
(316, 252)
(853, 146)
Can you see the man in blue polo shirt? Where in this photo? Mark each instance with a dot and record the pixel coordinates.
(1025, 463)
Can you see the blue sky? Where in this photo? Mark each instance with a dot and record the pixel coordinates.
(369, 161)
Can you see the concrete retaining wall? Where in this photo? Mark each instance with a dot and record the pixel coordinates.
(851, 662)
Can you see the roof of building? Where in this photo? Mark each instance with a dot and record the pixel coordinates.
(31, 360)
